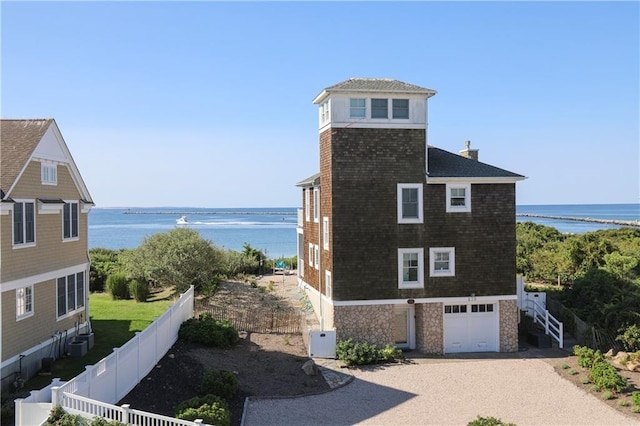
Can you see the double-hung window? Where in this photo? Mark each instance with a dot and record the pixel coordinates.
(70, 221)
(24, 223)
(325, 233)
(442, 261)
(316, 256)
(379, 108)
(307, 204)
(327, 283)
(458, 198)
(410, 268)
(357, 108)
(410, 203)
(70, 293)
(24, 302)
(400, 108)
(316, 205)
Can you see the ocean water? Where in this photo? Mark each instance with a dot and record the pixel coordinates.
(273, 230)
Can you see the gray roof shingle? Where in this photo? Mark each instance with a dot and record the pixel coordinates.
(446, 164)
(378, 85)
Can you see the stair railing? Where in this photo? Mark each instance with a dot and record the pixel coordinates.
(551, 325)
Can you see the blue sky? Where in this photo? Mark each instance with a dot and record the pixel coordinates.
(208, 104)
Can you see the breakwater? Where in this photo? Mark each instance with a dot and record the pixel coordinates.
(635, 223)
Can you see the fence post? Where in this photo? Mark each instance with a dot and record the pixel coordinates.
(561, 335)
(124, 416)
(54, 396)
(18, 411)
(198, 422)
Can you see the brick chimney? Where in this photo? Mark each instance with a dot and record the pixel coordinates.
(467, 152)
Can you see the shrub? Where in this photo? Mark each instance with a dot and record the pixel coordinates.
(139, 290)
(356, 353)
(587, 357)
(390, 353)
(59, 417)
(208, 331)
(606, 395)
(606, 377)
(623, 403)
(488, 421)
(635, 409)
(635, 398)
(99, 421)
(565, 366)
(221, 383)
(117, 286)
(584, 380)
(573, 372)
(629, 337)
(210, 408)
(209, 289)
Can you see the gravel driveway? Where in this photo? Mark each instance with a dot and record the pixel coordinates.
(520, 391)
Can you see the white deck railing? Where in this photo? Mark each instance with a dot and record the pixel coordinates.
(113, 377)
(551, 325)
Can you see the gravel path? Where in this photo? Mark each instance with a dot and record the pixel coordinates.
(520, 391)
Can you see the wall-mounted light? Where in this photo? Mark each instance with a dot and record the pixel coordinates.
(411, 301)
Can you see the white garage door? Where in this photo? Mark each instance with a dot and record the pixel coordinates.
(471, 327)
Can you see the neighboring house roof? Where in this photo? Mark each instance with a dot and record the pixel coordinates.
(444, 164)
(310, 181)
(18, 140)
(22, 140)
(373, 85)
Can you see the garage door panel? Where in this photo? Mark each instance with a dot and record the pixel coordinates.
(472, 328)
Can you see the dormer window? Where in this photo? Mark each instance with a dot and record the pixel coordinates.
(358, 108)
(400, 108)
(49, 174)
(379, 108)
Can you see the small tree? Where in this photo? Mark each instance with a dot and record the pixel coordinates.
(180, 258)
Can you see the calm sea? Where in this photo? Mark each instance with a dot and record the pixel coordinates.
(273, 230)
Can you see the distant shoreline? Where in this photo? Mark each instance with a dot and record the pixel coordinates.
(583, 219)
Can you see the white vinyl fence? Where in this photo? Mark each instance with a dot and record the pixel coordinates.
(113, 377)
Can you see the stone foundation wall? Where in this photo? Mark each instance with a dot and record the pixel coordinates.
(429, 328)
(372, 323)
(508, 326)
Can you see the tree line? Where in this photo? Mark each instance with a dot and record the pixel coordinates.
(598, 274)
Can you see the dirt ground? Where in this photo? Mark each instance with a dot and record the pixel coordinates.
(266, 364)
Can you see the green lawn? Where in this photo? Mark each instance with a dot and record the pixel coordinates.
(114, 322)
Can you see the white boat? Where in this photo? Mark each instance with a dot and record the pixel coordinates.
(182, 221)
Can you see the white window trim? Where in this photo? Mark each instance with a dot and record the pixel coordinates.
(452, 261)
(72, 237)
(325, 232)
(311, 254)
(49, 173)
(307, 204)
(328, 285)
(411, 284)
(316, 205)
(402, 186)
(19, 299)
(467, 198)
(24, 229)
(316, 256)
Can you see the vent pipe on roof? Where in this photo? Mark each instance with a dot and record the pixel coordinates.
(467, 152)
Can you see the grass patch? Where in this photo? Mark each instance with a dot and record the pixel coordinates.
(114, 322)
